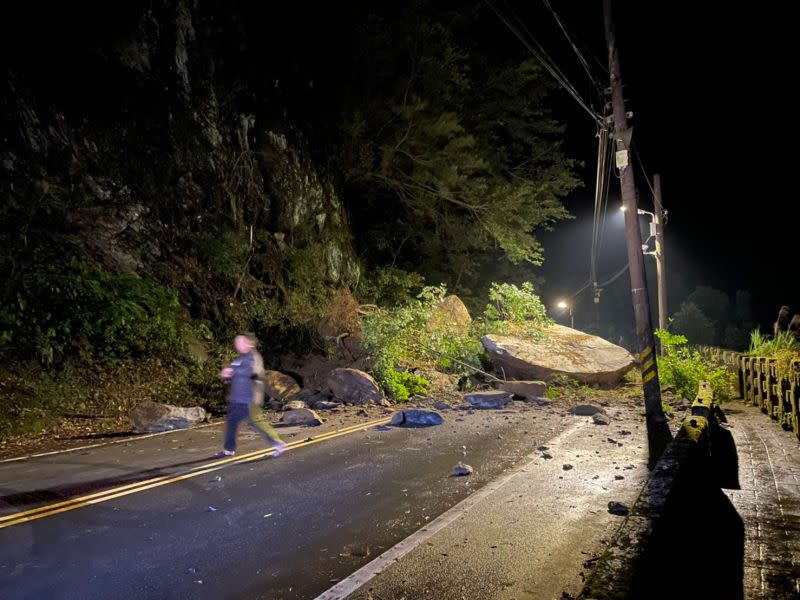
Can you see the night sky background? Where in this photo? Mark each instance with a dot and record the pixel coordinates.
(709, 84)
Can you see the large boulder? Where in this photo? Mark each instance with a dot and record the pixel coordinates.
(354, 387)
(280, 386)
(154, 417)
(449, 315)
(564, 352)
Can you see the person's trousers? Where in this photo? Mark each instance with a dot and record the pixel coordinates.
(238, 412)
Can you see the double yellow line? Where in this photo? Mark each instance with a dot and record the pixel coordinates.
(50, 510)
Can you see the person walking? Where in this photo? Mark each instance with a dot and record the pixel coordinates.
(246, 376)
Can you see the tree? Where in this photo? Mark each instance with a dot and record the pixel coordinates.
(692, 323)
(714, 303)
(742, 309)
(458, 154)
(735, 338)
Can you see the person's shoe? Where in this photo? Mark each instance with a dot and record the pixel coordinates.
(280, 448)
(224, 453)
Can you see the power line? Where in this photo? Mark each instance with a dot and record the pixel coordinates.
(641, 166)
(605, 202)
(561, 77)
(602, 152)
(575, 48)
(611, 280)
(616, 276)
(586, 285)
(550, 61)
(547, 63)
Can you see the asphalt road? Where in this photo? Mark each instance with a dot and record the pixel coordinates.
(272, 528)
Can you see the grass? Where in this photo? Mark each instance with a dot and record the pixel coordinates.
(762, 345)
(784, 347)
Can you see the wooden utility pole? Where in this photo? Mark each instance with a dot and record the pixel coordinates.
(658, 433)
(660, 263)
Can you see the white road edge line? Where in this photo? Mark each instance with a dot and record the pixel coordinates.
(350, 584)
(133, 437)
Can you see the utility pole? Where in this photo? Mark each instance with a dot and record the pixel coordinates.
(658, 433)
(660, 262)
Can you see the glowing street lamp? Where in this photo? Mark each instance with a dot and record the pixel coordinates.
(564, 305)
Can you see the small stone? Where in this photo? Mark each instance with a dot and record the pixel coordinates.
(326, 405)
(524, 389)
(624, 432)
(462, 470)
(543, 448)
(617, 508)
(585, 410)
(294, 405)
(547, 455)
(492, 399)
(567, 467)
(416, 418)
(300, 416)
(601, 419)
(619, 477)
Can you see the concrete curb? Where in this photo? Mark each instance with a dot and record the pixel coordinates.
(685, 462)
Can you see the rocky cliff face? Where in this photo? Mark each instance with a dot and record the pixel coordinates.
(136, 133)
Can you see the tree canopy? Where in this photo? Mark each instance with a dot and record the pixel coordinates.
(455, 148)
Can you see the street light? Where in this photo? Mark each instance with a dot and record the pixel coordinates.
(656, 226)
(564, 306)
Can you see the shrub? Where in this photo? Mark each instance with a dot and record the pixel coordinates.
(684, 369)
(402, 385)
(396, 338)
(390, 286)
(75, 308)
(515, 308)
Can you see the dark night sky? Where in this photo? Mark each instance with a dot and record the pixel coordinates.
(709, 86)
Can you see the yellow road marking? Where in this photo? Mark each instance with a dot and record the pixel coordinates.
(132, 488)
